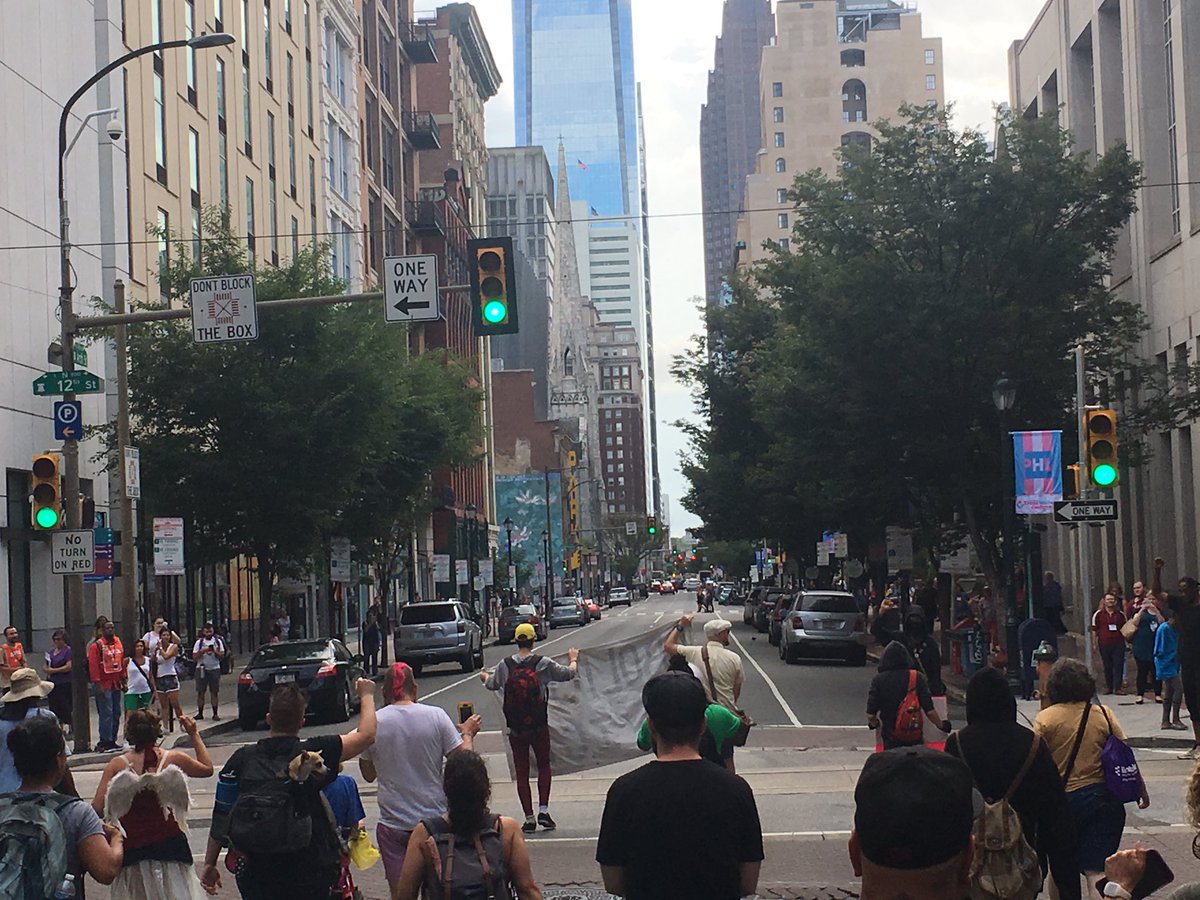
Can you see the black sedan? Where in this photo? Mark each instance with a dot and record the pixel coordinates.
(323, 668)
(512, 616)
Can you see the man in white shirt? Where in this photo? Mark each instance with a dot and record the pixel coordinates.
(207, 655)
(412, 742)
(724, 685)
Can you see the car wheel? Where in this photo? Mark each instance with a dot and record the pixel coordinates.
(416, 669)
(773, 638)
(341, 705)
(858, 658)
(468, 660)
(479, 657)
(782, 651)
(789, 655)
(246, 721)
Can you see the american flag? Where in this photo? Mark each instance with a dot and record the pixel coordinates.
(581, 164)
(594, 212)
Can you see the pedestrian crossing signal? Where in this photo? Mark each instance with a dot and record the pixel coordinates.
(46, 500)
(493, 285)
(1101, 442)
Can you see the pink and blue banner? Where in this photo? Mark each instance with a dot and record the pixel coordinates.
(1037, 462)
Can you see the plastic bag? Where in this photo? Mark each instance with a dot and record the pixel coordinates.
(362, 852)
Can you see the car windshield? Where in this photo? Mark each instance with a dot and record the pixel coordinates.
(828, 603)
(568, 602)
(511, 612)
(426, 613)
(303, 651)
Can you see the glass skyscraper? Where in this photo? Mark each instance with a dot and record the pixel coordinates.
(573, 65)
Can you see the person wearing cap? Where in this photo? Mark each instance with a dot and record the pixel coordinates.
(535, 739)
(26, 699)
(914, 808)
(724, 686)
(679, 826)
(412, 741)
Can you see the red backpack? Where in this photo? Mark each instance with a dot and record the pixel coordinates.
(524, 700)
(909, 728)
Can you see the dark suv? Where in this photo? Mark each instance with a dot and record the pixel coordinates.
(772, 600)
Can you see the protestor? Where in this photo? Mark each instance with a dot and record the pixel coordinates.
(412, 743)
(145, 791)
(468, 851)
(914, 810)
(270, 810)
(57, 668)
(725, 684)
(913, 632)
(106, 672)
(997, 749)
(1076, 729)
(351, 820)
(26, 699)
(720, 725)
(525, 679)
(371, 642)
(679, 826)
(898, 687)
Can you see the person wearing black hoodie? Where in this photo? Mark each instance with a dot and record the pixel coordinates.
(888, 690)
(913, 632)
(995, 747)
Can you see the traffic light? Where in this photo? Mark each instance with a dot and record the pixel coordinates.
(493, 285)
(47, 492)
(1101, 439)
(651, 525)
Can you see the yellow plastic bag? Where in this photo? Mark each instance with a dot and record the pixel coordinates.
(362, 852)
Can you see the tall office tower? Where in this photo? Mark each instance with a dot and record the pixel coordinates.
(730, 132)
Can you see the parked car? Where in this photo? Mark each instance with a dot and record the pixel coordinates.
(691, 583)
(568, 611)
(824, 623)
(512, 616)
(323, 668)
(727, 593)
(750, 607)
(770, 601)
(620, 597)
(438, 631)
(593, 608)
(775, 617)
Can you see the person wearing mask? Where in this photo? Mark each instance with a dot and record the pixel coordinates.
(1185, 607)
(12, 657)
(57, 669)
(897, 675)
(412, 742)
(1076, 730)
(472, 828)
(1166, 666)
(207, 654)
(106, 672)
(915, 635)
(26, 699)
(145, 791)
(40, 756)
(166, 684)
(1110, 643)
(995, 747)
(1142, 610)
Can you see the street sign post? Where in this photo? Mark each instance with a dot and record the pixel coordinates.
(79, 381)
(133, 473)
(73, 552)
(224, 309)
(441, 567)
(1068, 512)
(168, 546)
(103, 555)
(68, 420)
(410, 289)
(339, 560)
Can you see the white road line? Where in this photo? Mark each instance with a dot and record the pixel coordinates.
(767, 678)
(768, 835)
(659, 618)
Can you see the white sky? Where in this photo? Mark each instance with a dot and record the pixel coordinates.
(673, 50)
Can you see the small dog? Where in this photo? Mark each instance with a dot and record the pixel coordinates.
(306, 765)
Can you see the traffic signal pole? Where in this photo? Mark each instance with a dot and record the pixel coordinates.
(1084, 531)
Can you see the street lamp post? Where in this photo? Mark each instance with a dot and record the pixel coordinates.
(74, 583)
(512, 586)
(547, 583)
(1004, 397)
(471, 510)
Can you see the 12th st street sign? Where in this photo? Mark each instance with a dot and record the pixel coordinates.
(1068, 512)
(76, 382)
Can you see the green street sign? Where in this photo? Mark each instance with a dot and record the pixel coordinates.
(80, 353)
(56, 383)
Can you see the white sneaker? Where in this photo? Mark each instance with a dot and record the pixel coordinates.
(1194, 753)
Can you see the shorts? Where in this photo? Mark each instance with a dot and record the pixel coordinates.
(208, 679)
(138, 701)
(393, 845)
(1099, 821)
(167, 683)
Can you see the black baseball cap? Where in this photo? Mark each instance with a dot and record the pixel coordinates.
(674, 700)
(914, 807)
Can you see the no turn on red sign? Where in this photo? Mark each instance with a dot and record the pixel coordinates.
(73, 552)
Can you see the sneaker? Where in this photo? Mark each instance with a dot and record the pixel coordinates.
(1179, 726)
(1166, 726)
(199, 715)
(530, 825)
(1140, 700)
(1194, 753)
(546, 822)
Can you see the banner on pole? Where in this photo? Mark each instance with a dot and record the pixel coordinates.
(1037, 462)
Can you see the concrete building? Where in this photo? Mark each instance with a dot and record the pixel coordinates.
(617, 364)
(730, 131)
(834, 67)
(1130, 73)
(339, 105)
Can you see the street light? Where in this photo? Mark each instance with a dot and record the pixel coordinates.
(1004, 397)
(512, 587)
(471, 510)
(74, 583)
(546, 579)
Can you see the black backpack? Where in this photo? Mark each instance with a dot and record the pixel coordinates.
(467, 868)
(274, 814)
(524, 699)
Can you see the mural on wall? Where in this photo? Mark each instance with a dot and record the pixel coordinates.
(522, 498)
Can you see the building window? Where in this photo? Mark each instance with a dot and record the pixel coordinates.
(777, 114)
(854, 101)
(312, 193)
(388, 162)
(337, 62)
(308, 69)
(779, 139)
(295, 238)
(164, 255)
(777, 89)
(780, 165)
(287, 16)
(160, 128)
(219, 13)
(247, 115)
(930, 58)
(291, 138)
(272, 213)
(931, 82)
(250, 220)
(782, 220)
(781, 195)
(194, 167)
(1172, 118)
(267, 67)
(785, 245)
(223, 168)
(155, 22)
(290, 73)
(189, 31)
(568, 362)
(854, 58)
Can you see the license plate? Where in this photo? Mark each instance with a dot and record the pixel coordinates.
(285, 678)
(831, 624)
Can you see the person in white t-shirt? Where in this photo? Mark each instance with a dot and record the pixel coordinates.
(166, 675)
(207, 655)
(411, 743)
(139, 680)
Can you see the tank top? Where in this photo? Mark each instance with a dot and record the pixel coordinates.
(137, 676)
(146, 806)
(166, 665)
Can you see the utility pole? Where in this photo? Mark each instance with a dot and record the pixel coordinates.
(1084, 531)
(127, 602)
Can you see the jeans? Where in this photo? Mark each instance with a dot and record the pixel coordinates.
(108, 707)
(1114, 665)
(1146, 677)
(539, 742)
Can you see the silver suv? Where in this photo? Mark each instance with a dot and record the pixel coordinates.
(438, 631)
(823, 623)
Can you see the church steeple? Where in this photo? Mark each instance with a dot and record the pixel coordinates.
(568, 262)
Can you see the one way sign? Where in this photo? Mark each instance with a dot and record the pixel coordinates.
(410, 289)
(1069, 511)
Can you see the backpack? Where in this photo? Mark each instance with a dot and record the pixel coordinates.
(1004, 866)
(274, 814)
(909, 728)
(466, 868)
(524, 700)
(33, 846)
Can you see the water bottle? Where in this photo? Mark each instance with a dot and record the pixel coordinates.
(227, 793)
(66, 890)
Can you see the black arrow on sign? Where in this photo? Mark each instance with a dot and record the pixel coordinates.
(403, 305)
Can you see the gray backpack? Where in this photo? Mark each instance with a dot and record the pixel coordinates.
(33, 846)
(467, 868)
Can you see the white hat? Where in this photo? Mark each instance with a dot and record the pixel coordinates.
(26, 685)
(714, 627)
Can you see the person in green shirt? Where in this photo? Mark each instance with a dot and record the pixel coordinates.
(720, 726)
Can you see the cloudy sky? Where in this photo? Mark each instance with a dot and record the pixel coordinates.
(673, 45)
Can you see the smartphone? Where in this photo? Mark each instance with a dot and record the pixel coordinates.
(465, 711)
(1157, 876)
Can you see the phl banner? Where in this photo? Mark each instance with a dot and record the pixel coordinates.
(1037, 463)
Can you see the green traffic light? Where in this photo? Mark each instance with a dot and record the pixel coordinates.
(495, 311)
(1104, 475)
(46, 517)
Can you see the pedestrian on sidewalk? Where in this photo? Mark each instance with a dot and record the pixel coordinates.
(1052, 603)
(166, 676)
(12, 657)
(1076, 729)
(153, 636)
(412, 743)
(106, 672)
(145, 791)
(468, 851)
(1186, 609)
(1166, 664)
(914, 810)
(207, 653)
(26, 699)
(679, 826)
(1143, 612)
(139, 682)
(897, 679)
(995, 748)
(1107, 622)
(525, 679)
(371, 642)
(57, 669)
(280, 779)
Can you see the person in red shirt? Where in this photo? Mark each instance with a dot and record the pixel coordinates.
(106, 671)
(1106, 624)
(12, 657)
